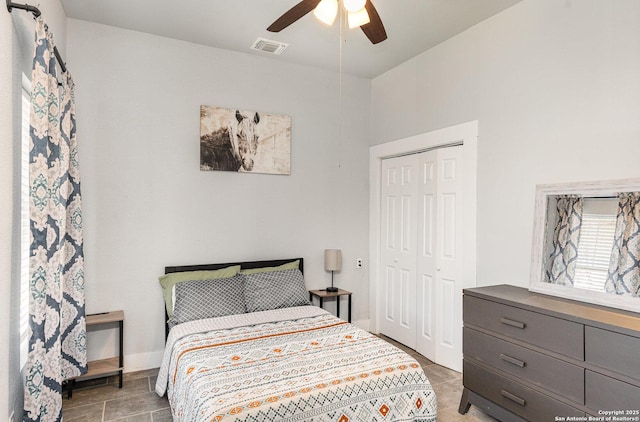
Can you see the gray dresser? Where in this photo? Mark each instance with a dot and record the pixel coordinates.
(534, 357)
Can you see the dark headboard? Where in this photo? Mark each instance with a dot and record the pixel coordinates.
(243, 266)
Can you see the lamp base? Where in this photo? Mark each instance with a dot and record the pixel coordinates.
(331, 289)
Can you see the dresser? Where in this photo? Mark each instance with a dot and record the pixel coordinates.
(533, 357)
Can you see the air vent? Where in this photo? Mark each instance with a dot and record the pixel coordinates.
(269, 46)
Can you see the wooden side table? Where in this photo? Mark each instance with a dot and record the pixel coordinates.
(323, 294)
(104, 367)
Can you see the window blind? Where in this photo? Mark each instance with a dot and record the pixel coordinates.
(594, 250)
(25, 234)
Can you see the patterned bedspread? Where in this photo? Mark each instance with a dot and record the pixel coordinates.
(290, 364)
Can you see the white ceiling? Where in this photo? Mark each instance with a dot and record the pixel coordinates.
(413, 26)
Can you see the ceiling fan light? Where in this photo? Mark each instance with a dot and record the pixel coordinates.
(326, 11)
(358, 18)
(353, 5)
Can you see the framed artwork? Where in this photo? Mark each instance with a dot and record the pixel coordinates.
(244, 141)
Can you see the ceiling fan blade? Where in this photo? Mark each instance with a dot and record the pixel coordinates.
(293, 14)
(374, 30)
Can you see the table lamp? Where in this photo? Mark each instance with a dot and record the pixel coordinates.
(332, 262)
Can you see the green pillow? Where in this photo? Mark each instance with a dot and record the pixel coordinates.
(168, 281)
(293, 265)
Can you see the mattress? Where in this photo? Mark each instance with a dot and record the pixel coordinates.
(291, 364)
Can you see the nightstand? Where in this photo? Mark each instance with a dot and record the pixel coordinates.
(323, 294)
(104, 367)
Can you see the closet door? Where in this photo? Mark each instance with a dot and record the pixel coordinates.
(439, 261)
(426, 282)
(398, 249)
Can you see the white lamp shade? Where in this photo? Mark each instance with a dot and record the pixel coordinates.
(358, 18)
(353, 5)
(326, 11)
(332, 259)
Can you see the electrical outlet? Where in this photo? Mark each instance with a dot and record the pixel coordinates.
(359, 263)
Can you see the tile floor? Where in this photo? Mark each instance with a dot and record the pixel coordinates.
(102, 400)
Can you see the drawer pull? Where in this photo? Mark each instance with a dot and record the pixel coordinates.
(512, 360)
(513, 398)
(512, 323)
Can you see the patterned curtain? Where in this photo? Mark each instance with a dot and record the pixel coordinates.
(624, 268)
(562, 261)
(57, 347)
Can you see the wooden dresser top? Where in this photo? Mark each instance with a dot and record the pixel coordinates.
(618, 320)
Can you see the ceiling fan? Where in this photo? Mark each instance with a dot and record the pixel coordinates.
(361, 13)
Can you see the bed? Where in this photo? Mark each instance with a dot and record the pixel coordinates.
(281, 359)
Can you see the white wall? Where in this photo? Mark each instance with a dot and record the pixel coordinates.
(555, 88)
(147, 204)
(16, 49)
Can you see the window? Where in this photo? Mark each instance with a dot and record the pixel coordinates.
(24, 224)
(595, 244)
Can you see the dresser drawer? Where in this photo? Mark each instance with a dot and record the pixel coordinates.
(613, 351)
(550, 333)
(605, 393)
(513, 396)
(545, 371)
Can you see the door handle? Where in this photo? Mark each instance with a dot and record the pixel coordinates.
(513, 398)
(437, 268)
(512, 360)
(512, 323)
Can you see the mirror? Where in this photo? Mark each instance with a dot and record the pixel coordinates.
(571, 256)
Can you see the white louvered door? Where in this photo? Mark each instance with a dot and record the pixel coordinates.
(430, 227)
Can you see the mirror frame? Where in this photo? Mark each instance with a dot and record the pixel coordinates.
(586, 189)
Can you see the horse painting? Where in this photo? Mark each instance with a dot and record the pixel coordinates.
(232, 147)
(244, 141)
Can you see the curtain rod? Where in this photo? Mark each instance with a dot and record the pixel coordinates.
(36, 12)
